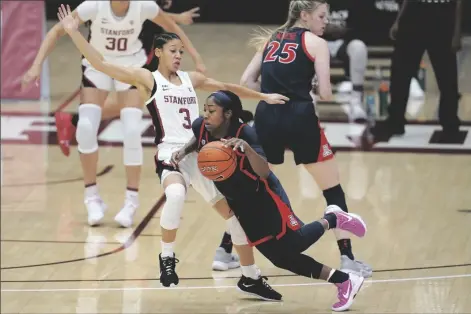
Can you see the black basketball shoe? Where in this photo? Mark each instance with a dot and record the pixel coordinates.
(258, 288)
(168, 276)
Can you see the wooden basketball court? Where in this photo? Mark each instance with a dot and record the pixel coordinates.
(414, 195)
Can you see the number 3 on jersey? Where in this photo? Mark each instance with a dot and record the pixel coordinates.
(187, 118)
(288, 52)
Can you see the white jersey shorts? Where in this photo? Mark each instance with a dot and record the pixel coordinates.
(188, 169)
(96, 79)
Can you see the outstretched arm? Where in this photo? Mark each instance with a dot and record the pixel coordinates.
(138, 77)
(185, 18)
(164, 20)
(200, 81)
(86, 9)
(251, 76)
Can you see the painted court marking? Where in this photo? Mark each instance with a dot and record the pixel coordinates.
(392, 280)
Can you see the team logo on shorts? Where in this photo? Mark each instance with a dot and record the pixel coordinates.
(326, 151)
(293, 222)
(203, 142)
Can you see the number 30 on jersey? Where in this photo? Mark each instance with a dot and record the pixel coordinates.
(287, 54)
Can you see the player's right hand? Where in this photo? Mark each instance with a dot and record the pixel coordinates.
(274, 99)
(31, 75)
(186, 18)
(177, 157)
(68, 21)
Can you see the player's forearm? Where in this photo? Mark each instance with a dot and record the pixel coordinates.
(91, 54)
(191, 146)
(175, 17)
(252, 84)
(47, 45)
(244, 92)
(258, 163)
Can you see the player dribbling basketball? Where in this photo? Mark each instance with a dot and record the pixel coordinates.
(261, 205)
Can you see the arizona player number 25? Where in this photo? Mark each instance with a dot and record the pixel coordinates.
(287, 55)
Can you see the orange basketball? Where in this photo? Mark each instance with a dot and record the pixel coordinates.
(217, 162)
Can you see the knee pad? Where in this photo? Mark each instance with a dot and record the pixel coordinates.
(132, 144)
(357, 47)
(358, 54)
(172, 210)
(237, 233)
(87, 128)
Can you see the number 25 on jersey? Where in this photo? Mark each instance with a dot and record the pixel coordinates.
(287, 54)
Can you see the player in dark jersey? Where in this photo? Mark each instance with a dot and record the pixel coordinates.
(291, 56)
(260, 203)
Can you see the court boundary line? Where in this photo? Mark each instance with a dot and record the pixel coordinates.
(223, 277)
(177, 288)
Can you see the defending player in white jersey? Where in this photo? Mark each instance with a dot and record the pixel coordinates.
(115, 27)
(66, 123)
(173, 98)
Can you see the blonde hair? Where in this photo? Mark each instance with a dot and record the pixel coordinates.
(263, 35)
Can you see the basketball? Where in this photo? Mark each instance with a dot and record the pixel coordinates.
(217, 162)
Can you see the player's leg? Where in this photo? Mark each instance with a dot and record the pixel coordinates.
(270, 134)
(311, 148)
(93, 94)
(355, 55)
(444, 64)
(131, 117)
(251, 281)
(223, 259)
(175, 186)
(286, 252)
(66, 123)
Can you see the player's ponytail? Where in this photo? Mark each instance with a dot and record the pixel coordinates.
(160, 41)
(263, 35)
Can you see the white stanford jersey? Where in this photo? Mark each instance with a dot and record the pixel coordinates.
(116, 36)
(173, 109)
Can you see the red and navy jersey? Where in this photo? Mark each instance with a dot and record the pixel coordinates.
(287, 67)
(261, 205)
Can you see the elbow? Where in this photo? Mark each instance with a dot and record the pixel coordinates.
(325, 94)
(98, 64)
(265, 174)
(244, 81)
(263, 170)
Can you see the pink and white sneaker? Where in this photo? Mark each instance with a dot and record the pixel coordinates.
(348, 221)
(346, 292)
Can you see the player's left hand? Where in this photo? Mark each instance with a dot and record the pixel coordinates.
(177, 157)
(68, 21)
(236, 143)
(186, 18)
(273, 99)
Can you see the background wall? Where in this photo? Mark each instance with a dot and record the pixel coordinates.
(377, 15)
